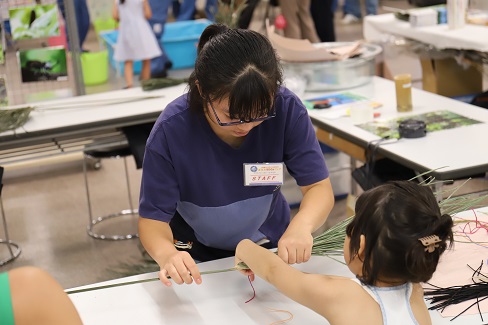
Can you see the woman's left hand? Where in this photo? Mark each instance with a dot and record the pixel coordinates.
(295, 246)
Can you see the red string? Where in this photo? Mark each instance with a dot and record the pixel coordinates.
(254, 291)
(478, 225)
(471, 227)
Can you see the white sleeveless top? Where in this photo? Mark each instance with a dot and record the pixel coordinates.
(136, 40)
(394, 303)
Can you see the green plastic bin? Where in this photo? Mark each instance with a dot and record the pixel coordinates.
(103, 24)
(95, 67)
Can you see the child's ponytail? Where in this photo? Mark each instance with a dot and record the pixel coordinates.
(423, 256)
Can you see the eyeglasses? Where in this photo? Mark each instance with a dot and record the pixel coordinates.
(259, 119)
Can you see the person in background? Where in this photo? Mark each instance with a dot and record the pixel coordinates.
(188, 8)
(352, 10)
(82, 18)
(248, 11)
(215, 158)
(323, 17)
(29, 295)
(136, 40)
(393, 243)
(299, 23)
(161, 64)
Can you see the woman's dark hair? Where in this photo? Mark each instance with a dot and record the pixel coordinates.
(237, 64)
(393, 217)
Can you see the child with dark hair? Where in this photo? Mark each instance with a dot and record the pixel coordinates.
(136, 41)
(205, 181)
(393, 243)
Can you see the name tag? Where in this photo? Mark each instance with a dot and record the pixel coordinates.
(263, 174)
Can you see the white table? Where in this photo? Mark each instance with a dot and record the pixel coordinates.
(52, 130)
(460, 151)
(441, 72)
(220, 299)
(470, 37)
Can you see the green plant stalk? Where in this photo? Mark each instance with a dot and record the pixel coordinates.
(229, 13)
(114, 285)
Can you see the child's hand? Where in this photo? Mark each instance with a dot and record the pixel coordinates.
(244, 269)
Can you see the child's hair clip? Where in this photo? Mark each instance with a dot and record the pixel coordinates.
(430, 242)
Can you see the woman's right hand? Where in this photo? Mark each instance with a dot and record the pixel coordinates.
(181, 268)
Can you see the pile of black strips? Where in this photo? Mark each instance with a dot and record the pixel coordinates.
(440, 298)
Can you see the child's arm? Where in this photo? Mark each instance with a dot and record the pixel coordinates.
(147, 10)
(115, 10)
(311, 290)
(29, 288)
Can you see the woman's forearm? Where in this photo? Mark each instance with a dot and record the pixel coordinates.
(157, 238)
(317, 202)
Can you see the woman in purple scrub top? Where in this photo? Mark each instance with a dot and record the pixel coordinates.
(214, 162)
